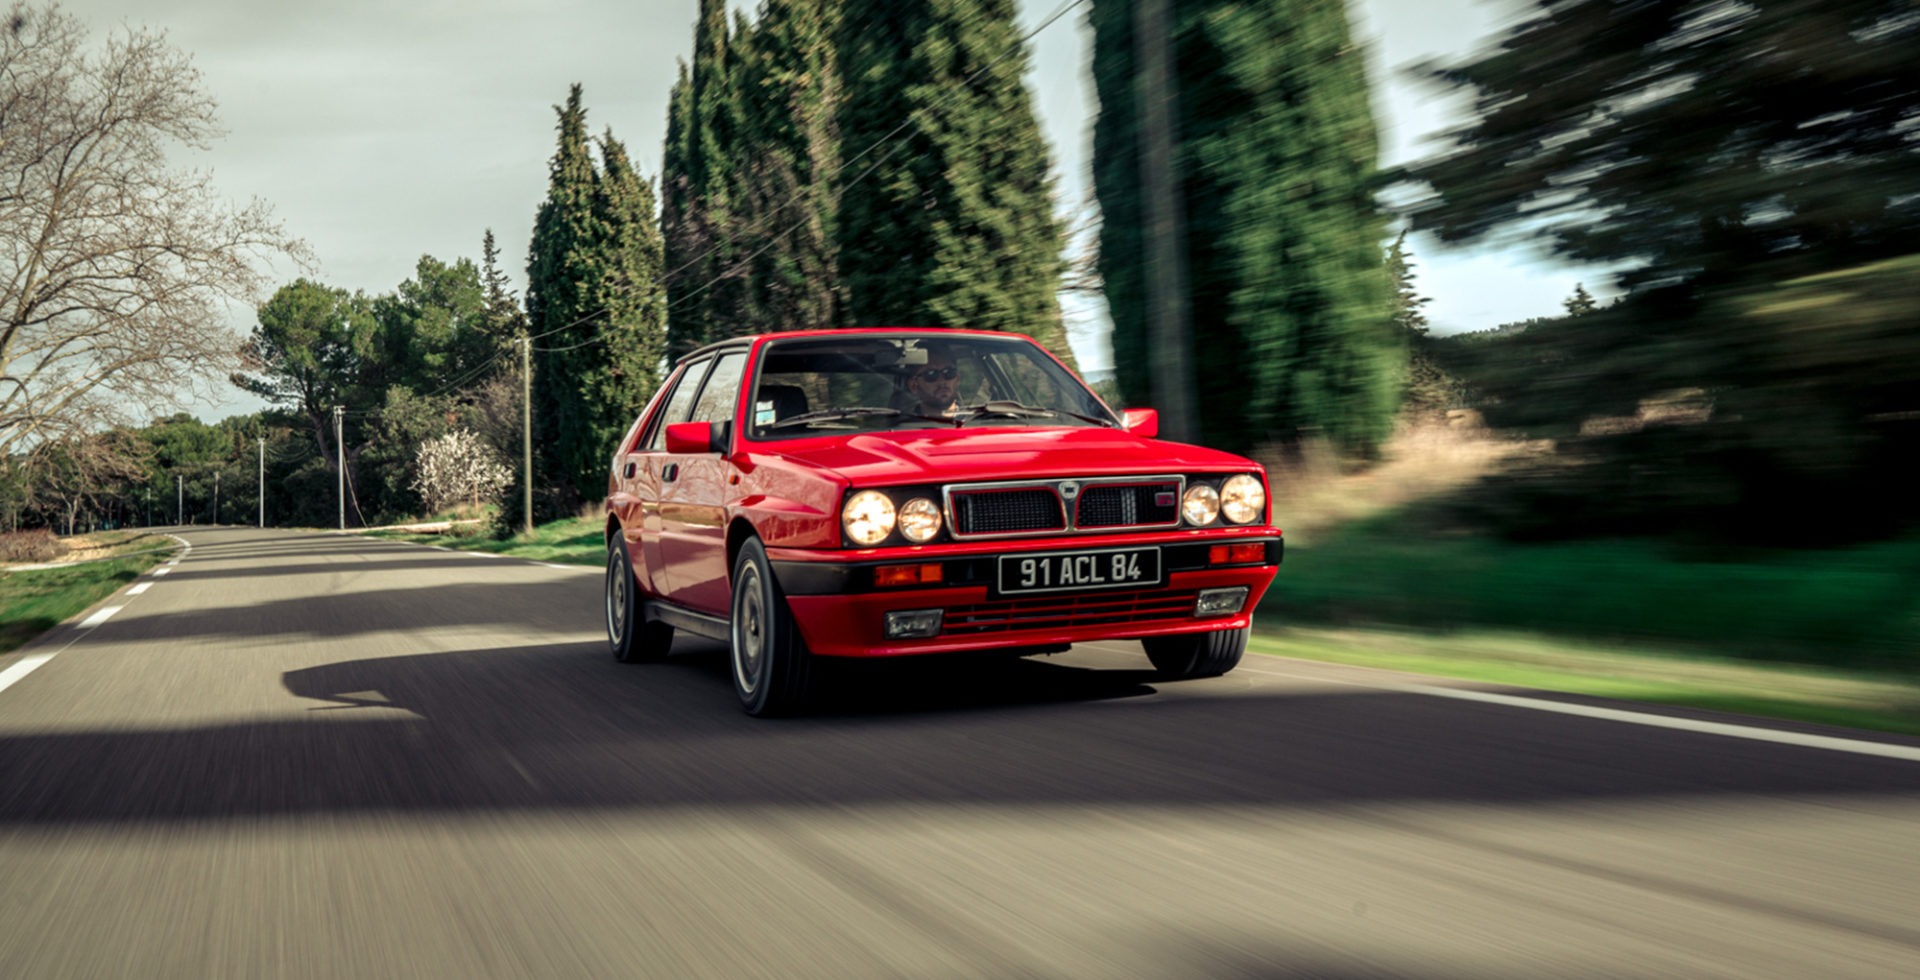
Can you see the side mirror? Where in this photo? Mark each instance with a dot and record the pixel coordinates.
(1143, 422)
(685, 438)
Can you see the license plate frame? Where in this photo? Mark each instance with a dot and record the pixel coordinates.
(1077, 570)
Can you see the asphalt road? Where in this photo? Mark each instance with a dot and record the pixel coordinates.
(305, 755)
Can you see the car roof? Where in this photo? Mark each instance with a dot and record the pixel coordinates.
(750, 339)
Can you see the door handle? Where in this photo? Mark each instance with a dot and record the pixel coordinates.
(631, 466)
(672, 472)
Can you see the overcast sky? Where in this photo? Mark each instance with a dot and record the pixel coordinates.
(382, 130)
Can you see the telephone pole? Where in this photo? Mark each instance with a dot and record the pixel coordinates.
(180, 499)
(340, 456)
(263, 481)
(1167, 313)
(526, 434)
(216, 498)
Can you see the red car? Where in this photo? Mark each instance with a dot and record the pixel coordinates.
(895, 492)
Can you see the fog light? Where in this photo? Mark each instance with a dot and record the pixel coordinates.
(1220, 602)
(911, 624)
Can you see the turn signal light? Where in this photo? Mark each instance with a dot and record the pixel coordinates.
(1236, 554)
(921, 574)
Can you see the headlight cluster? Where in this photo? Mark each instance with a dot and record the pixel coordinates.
(870, 516)
(1241, 500)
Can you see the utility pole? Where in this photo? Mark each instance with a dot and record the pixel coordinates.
(216, 498)
(149, 495)
(340, 455)
(180, 499)
(1167, 312)
(526, 434)
(263, 482)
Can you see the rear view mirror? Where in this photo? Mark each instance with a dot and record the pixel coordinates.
(1143, 422)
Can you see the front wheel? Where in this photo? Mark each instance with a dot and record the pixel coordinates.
(1191, 655)
(632, 639)
(772, 669)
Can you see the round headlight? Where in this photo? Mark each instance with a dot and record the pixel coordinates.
(868, 517)
(1243, 499)
(919, 520)
(1201, 504)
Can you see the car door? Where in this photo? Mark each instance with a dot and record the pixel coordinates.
(642, 474)
(693, 499)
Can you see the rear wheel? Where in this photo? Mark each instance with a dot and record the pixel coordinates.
(772, 669)
(1196, 654)
(632, 639)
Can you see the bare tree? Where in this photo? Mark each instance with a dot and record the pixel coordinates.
(115, 268)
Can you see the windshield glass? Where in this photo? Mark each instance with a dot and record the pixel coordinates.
(811, 386)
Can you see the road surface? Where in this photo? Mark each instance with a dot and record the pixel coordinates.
(312, 755)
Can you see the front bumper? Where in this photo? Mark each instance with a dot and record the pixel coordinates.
(842, 613)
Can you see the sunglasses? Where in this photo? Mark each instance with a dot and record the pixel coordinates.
(931, 375)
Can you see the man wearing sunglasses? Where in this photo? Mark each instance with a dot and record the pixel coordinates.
(934, 384)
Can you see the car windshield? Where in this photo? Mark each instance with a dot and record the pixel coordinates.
(812, 386)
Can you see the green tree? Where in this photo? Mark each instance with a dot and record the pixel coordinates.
(948, 220)
(595, 307)
(1407, 300)
(1287, 289)
(1580, 301)
(310, 351)
(788, 205)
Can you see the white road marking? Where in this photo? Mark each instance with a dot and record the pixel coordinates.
(19, 669)
(1907, 753)
(22, 667)
(100, 617)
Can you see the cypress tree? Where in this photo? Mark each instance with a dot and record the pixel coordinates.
(681, 239)
(623, 370)
(791, 149)
(566, 270)
(1289, 295)
(954, 226)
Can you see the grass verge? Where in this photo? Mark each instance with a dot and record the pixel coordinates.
(1888, 702)
(34, 601)
(575, 541)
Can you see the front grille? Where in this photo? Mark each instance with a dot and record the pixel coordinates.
(1008, 511)
(1128, 505)
(1059, 612)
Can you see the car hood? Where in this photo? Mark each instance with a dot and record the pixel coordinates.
(1002, 453)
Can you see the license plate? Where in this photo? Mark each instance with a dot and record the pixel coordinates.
(1073, 571)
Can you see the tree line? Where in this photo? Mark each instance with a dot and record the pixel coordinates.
(1751, 168)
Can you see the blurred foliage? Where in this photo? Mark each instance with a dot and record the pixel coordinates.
(1754, 168)
(1291, 304)
(1765, 414)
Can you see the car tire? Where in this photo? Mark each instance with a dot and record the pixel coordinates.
(632, 639)
(771, 667)
(1193, 655)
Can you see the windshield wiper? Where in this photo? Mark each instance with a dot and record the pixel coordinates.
(853, 412)
(1016, 410)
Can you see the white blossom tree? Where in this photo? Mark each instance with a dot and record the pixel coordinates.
(458, 467)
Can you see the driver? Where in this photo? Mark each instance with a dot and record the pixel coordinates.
(934, 385)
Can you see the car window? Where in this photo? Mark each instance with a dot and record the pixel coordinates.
(863, 383)
(676, 406)
(722, 390)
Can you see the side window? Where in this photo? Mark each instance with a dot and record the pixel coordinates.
(722, 391)
(676, 406)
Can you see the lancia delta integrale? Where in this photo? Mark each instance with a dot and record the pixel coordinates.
(895, 492)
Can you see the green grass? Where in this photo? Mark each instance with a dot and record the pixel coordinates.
(34, 601)
(1857, 607)
(1887, 702)
(575, 541)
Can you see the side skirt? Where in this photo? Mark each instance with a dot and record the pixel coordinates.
(687, 621)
